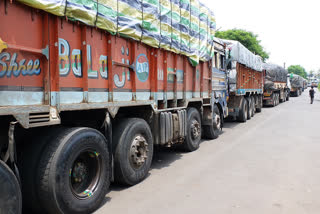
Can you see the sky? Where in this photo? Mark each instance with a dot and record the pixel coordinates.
(289, 30)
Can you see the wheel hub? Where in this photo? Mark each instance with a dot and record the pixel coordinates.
(139, 151)
(85, 173)
(218, 121)
(195, 129)
(80, 171)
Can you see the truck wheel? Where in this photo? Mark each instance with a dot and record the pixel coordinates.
(260, 101)
(133, 151)
(74, 171)
(193, 137)
(243, 111)
(10, 197)
(285, 97)
(274, 103)
(249, 106)
(214, 130)
(253, 107)
(288, 97)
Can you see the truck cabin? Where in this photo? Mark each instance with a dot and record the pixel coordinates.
(219, 55)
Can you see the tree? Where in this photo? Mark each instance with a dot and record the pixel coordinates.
(297, 69)
(248, 39)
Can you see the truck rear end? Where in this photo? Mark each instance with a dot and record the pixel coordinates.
(245, 81)
(276, 89)
(297, 84)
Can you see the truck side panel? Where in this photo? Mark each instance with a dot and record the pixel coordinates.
(50, 62)
(248, 80)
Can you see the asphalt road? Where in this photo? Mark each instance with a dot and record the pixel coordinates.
(271, 164)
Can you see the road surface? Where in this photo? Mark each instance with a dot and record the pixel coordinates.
(271, 164)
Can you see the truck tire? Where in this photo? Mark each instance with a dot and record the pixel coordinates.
(249, 106)
(74, 171)
(133, 150)
(288, 96)
(260, 104)
(253, 106)
(28, 166)
(10, 197)
(285, 97)
(273, 97)
(193, 137)
(213, 131)
(243, 111)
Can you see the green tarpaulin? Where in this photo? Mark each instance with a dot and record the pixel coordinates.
(182, 26)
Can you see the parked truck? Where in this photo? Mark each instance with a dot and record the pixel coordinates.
(87, 91)
(297, 85)
(276, 89)
(245, 81)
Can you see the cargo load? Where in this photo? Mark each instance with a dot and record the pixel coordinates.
(296, 81)
(237, 52)
(184, 27)
(274, 74)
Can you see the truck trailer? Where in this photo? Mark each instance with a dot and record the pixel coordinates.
(87, 91)
(276, 89)
(245, 81)
(297, 85)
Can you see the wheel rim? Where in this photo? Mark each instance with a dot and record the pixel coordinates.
(85, 174)
(218, 121)
(195, 129)
(138, 152)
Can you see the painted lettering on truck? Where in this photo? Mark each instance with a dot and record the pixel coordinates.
(9, 66)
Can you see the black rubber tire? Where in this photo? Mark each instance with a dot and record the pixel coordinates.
(10, 197)
(288, 96)
(285, 98)
(53, 175)
(210, 132)
(249, 114)
(253, 108)
(273, 97)
(190, 144)
(124, 133)
(28, 166)
(243, 111)
(259, 109)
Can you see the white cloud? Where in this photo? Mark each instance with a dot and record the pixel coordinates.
(288, 29)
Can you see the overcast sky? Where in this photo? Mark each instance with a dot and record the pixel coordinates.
(289, 30)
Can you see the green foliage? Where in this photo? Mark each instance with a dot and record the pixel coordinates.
(297, 69)
(248, 39)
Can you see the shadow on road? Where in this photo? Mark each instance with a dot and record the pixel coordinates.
(230, 124)
(163, 157)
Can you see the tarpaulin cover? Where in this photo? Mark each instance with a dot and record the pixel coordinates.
(274, 73)
(296, 81)
(239, 53)
(182, 26)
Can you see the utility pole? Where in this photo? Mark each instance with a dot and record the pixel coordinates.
(284, 65)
